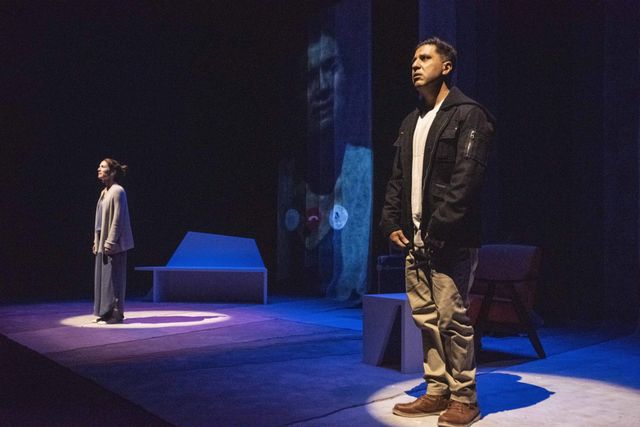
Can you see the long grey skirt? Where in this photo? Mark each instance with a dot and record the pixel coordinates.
(110, 281)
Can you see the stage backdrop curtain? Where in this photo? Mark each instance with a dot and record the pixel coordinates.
(563, 80)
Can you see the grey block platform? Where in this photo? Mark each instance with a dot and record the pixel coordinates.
(211, 267)
(380, 313)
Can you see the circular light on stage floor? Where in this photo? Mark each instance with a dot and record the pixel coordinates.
(151, 319)
(512, 398)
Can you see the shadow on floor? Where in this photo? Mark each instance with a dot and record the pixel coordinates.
(513, 393)
(159, 320)
(36, 391)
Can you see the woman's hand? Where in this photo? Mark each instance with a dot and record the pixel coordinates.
(93, 249)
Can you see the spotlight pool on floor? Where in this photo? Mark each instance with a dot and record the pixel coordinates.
(151, 319)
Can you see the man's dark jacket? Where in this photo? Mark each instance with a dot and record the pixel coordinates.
(455, 158)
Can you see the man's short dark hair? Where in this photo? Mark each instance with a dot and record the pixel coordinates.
(447, 51)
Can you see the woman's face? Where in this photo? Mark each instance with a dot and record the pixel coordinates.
(104, 173)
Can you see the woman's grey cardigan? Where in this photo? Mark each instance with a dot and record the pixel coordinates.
(115, 224)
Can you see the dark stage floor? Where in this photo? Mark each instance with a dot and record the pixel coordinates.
(295, 361)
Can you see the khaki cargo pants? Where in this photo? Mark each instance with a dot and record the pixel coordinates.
(439, 307)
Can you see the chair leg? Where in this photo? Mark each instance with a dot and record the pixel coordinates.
(483, 315)
(525, 320)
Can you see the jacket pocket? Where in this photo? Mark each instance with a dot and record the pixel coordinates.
(446, 150)
(439, 190)
(475, 147)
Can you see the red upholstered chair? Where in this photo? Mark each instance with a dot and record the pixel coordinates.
(504, 290)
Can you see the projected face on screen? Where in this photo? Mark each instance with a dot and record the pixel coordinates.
(325, 95)
(325, 77)
(325, 185)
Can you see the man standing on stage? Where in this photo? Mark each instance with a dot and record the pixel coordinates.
(432, 211)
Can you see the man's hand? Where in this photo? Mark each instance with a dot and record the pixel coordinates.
(399, 239)
(93, 249)
(107, 248)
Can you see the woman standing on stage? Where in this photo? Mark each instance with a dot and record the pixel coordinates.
(112, 240)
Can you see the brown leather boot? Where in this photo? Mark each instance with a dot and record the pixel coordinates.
(459, 414)
(427, 404)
